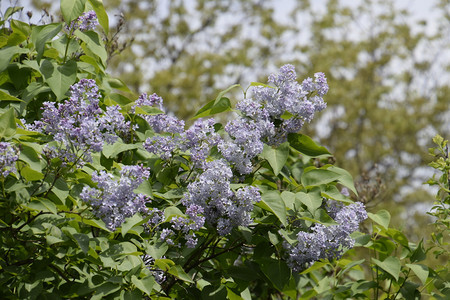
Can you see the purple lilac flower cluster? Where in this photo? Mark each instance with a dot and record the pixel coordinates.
(199, 139)
(170, 127)
(114, 200)
(326, 242)
(79, 125)
(222, 207)
(193, 221)
(87, 21)
(271, 114)
(172, 137)
(8, 157)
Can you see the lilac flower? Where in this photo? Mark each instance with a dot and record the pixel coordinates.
(252, 109)
(161, 122)
(166, 235)
(79, 126)
(161, 145)
(199, 139)
(113, 122)
(222, 207)
(245, 144)
(321, 84)
(8, 157)
(193, 221)
(289, 105)
(326, 242)
(114, 200)
(145, 100)
(87, 21)
(191, 240)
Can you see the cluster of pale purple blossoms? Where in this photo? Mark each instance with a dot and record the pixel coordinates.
(193, 221)
(8, 157)
(171, 136)
(271, 114)
(87, 21)
(79, 125)
(114, 200)
(223, 208)
(326, 242)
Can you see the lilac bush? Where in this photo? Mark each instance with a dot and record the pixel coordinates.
(238, 211)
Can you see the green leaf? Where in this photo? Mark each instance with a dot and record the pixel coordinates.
(289, 199)
(42, 204)
(20, 32)
(7, 53)
(164, 263)
(316, 177)
(145, 285)
(59, 78)
(91, 222)
(60, 189)
(421, 271)
(272, 201)
(253, 83)
(102, 16)
(419, 253)
(147, 110)
(105, 289)
(278, 273)
(118, 147)
(115, 98)
(130, 223)
(349, 266)
(398, 236)
(276, 157)
(382, 217)
(213, 107)
(94, 43)
(172, 211)
(178, 272)
(346, 178)
(222, 93)
(8, 123)
(211, 292)
(82, 240)
(332, 192)
(312, 200)
(316, 266)
(390, 265)
(12, 10)
(304, 144)
(40, 35)
(116, 83)
(22, 27)
(72, 9)
(7, 97)
(31, 175)
(29, 155)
